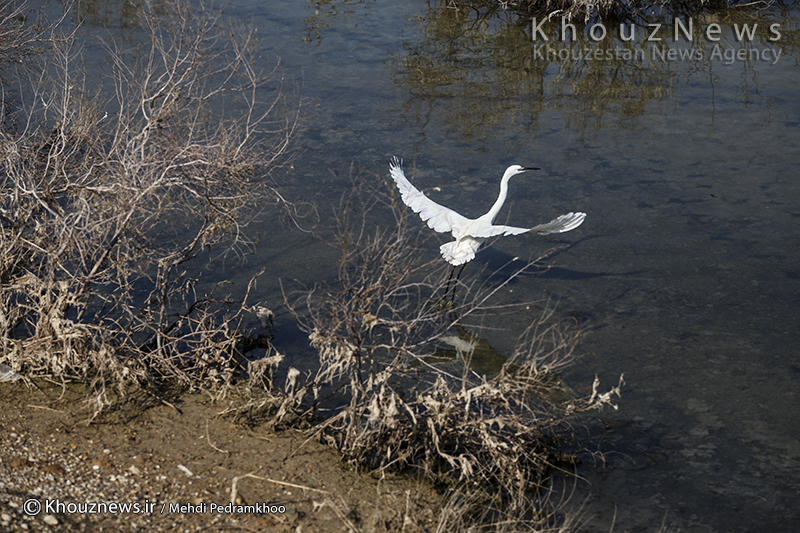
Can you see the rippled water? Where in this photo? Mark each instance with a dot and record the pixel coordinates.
(687, 269)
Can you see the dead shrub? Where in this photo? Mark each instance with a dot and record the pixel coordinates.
(587, 10)
(19, 36)
(114, 195)
(393, 395)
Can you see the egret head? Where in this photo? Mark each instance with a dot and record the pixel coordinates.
(513, 170)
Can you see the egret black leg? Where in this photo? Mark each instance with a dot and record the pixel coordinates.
(455, 286)
(449, 279)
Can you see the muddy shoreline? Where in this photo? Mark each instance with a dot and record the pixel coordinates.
(168, 469)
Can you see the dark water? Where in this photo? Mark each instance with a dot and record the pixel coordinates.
(687, 269)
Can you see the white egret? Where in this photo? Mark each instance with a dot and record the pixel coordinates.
(469, 233)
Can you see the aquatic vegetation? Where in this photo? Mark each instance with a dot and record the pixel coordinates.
(584, 10)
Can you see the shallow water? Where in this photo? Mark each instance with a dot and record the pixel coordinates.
(687, 269)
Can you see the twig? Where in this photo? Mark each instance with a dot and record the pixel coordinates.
(208, 439)
(234, 490)
(44, 408)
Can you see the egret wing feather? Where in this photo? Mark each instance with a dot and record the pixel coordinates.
(438, 217)
(494, 231)
(561, 224)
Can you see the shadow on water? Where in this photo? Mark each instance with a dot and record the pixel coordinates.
(480, 357)
(502, 266)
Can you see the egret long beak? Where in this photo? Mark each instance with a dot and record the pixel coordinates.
(530, 168)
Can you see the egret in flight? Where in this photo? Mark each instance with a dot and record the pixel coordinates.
(469, 233)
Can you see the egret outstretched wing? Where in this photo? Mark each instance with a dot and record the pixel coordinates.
(494, 231)
(561, 224)
(438, 217)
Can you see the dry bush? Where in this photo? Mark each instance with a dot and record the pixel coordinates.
(392, 397)
(586, 10)
(114, 196)
(19, 38)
